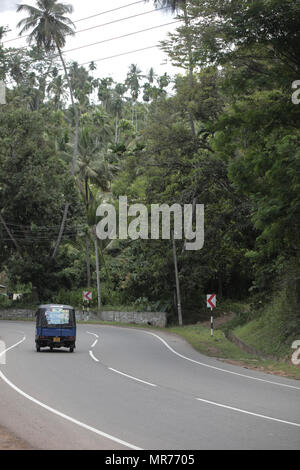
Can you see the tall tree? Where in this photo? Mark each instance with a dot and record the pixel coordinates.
(91, 168)
(49, 27)
(133, 79)
(172, 5)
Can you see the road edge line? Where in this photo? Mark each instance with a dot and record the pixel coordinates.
(62, 415)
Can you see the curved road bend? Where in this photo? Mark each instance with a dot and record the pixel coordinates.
(128, 388)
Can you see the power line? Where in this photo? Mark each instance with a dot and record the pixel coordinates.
(119, 37)
(40, 241)
(101, 25)
(42, 234)
(83, 19)
(109, 11)
(119, 20)
(42, 231)
(118, 55)
(115, 38)
(40, 226)
(122, 54)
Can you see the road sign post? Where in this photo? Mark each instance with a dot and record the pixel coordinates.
(211, 302)
(87, 297)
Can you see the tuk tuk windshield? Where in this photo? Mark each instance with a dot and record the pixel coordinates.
(57, 317)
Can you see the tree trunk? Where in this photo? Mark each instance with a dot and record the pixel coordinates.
(75, 112)
(117, 129)
(61, 230)
(191, 66)
(10, 234)
(220, 285)
(67, 206)
(97, 273)
(88, 261)
(177, 283)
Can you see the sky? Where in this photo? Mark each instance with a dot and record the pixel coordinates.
(117, 68)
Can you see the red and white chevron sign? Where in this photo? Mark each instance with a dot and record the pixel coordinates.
(211, 301)
(87, 295)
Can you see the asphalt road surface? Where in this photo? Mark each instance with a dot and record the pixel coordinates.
(126, 388)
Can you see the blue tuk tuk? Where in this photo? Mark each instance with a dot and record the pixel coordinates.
(55, 327)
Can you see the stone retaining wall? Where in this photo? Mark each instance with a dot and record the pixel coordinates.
(139, 318)
(146, 318)
(16, 314)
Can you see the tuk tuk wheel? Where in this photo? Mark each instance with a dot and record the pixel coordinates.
(71, 349)
(38, 349)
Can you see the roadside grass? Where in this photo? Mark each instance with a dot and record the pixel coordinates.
(268, 332)
(217, 346)
(221, 348)
(264, 337)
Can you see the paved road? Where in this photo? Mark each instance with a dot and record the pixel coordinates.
(128, 388)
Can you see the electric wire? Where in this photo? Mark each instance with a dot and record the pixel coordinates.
(117, 38)
(97, 26)
(120, 55)
(120, 37)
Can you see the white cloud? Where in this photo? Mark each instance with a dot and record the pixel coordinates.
(8, 5)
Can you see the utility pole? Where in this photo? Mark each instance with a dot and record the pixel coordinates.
(2, 92)
(97, 269)
(177, 283)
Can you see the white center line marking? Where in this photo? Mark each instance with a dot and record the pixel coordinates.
(133, 378)
(93, 357)
(94, 334)
(62, 415)
(248, 412)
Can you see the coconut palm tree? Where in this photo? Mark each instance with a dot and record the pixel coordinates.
(57, 89)
(91, 168)
(49, 28)
(134, 76)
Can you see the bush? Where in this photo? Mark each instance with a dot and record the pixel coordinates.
(75, 297)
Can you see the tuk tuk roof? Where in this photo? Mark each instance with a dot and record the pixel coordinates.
(56, 306)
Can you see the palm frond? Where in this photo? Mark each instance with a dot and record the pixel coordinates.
(49, 23)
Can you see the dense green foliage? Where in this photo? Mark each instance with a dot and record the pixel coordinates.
(224, 133)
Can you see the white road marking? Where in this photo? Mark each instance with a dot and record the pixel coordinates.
(2, 355)
(62, 415)
(248, 412)
(219, 368)
(3, 352)
(133, 378)
(94, 334)
(95, 342)
(93, 357)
